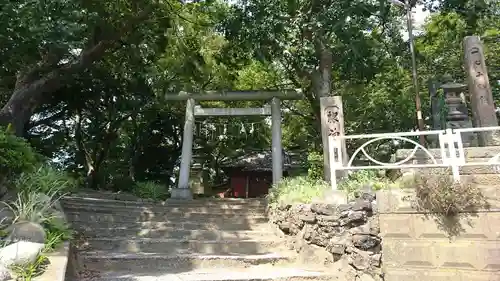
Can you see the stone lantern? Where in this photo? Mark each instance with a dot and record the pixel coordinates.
(199, 176)
(457, 113)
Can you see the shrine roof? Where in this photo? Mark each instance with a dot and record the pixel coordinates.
(258, 161)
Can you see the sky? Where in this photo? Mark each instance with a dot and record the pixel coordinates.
(419, 17)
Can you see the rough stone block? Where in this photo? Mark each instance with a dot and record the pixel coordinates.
(181, 193)
(395, 200)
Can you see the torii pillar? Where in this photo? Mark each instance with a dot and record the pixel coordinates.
(183, 190)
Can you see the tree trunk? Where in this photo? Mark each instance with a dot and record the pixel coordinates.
(16, 114)
(26, 97)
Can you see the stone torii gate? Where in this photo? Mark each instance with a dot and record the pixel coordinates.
(183, 190)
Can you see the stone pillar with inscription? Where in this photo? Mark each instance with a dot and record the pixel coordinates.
(332, 123)
(483, 107)
(457, 115)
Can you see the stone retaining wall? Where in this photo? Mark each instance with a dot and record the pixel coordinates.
(427, 247)
(344, 238)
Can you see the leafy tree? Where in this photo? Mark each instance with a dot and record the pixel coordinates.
(49, 43)
(441, 47)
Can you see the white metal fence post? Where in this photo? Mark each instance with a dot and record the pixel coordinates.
(454, 160)
(335, 155)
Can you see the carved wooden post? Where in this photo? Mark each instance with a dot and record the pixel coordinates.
(483, 108)
(332, 123)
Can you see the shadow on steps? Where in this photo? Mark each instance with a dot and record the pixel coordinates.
(158, 240)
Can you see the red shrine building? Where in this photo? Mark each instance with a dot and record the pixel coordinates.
(251, 175)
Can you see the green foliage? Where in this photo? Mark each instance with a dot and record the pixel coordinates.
(45, 179)
(34, 206)
(441, 45)
(40, 206)
(315, 168)
(27, 272)
(151, 190)
(16, 155)
(57, 232)
(297, 190)
(120, 127)
(364, 180)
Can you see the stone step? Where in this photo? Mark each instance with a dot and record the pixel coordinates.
(206, 203)
(181, 246)
(482, 179)
(465, 170)
(187, 225)
(162, 263)
(476, 170)
(172, 218)
(470, 153)
(172, 233)
(162, 210)
(254, 273)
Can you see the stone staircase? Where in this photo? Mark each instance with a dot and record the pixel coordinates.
(199, 240)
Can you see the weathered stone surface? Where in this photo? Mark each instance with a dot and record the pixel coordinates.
(362, 205)
(417, 246)
(324, 209)
(328, 220)
(319, 238)
(344, 271)
(285, 226)
(365, 277)
(284, 207)
(20, 253)
(308, 218)
(26, 231)
(360, 260)
(365, 241)
(312, 254)
(368, 196)
(346, 234)
(353, 217)
(376, 260)
(374, 226)
(4, 273)
(362, 229)
(337, 245)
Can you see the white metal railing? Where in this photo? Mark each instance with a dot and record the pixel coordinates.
(451, 152)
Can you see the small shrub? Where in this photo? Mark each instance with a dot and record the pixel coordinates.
(297, 190)
(437, 192)
(16, 155)
(315, 166)
(359, 181)
(150, 190)
(45, 179)
(57, 233)
(33, 206)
